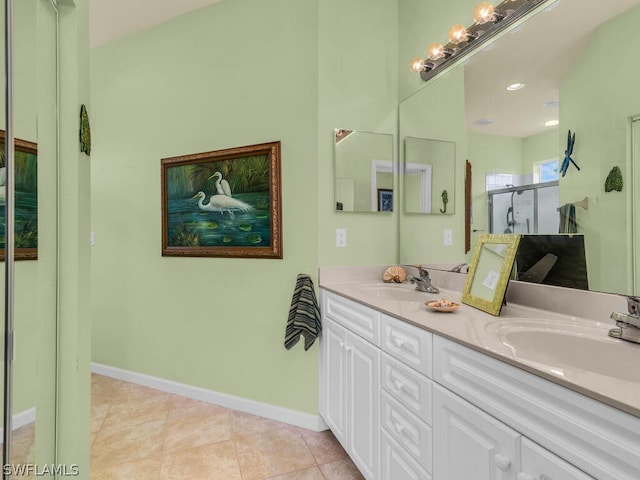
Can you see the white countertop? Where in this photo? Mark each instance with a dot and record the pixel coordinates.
(609, 373)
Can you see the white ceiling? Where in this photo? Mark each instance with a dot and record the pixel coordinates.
(540, 54)
(112, 19)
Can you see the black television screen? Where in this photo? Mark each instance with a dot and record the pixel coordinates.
(552, 260)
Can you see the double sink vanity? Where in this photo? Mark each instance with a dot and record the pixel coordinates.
(540, 392)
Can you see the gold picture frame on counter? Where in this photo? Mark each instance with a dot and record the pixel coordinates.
(490, 271)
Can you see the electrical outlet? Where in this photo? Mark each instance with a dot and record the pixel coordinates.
(341, 237)
(448, 237)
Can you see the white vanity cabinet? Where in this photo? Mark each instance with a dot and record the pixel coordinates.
(563, 435)
(407, 404)
(469, 443)
(540, 464)
(375, 393)
(351, 371)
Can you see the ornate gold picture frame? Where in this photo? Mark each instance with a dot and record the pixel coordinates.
(225, 203)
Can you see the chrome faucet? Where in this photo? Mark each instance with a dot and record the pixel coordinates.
(423, 283)
(628, 324)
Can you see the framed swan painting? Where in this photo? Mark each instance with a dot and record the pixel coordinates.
(225, 203)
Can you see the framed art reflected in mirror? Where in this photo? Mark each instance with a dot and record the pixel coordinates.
(490, 271)
(26, 199)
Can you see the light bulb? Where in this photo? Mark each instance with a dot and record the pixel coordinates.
(484, 13)
(435, 51)
(457, 34)
(416, 65)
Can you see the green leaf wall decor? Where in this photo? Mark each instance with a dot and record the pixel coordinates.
(614, 180)
(85, 131)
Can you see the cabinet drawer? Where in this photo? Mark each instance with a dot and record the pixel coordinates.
(540, 463)
(408, 343)
(396, 463)
(406, 386)
(356, 317)
(409, 431)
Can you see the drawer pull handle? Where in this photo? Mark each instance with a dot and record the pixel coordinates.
(399, 427)
(398, 384)
(525, 476)
(347, 348)
(398, 341)
(503, 463)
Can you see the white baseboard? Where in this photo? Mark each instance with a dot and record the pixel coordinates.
(21, 419)
(273, 412)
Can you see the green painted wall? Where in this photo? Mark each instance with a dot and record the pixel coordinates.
(183, 87)
(597, 104)
(436, 113)
(212, 79)
(543, 146)
(74, 289)
(357, 89)
(490, 154)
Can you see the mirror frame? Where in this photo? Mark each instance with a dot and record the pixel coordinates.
(493, 306)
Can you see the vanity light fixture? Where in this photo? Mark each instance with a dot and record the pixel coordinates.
(516, 86)
(551, 123)
(488, 22)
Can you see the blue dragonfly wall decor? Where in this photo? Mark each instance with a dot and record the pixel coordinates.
(571, 140)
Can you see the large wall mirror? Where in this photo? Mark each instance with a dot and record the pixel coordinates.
(32, 393)
(364, 171)
(569, 67)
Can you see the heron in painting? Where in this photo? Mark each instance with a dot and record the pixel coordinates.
(222, 203)
(222, 186)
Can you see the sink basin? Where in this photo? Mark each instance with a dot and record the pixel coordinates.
(568, 348)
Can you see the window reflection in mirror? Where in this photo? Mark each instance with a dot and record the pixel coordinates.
(429, 176)
(364, 171)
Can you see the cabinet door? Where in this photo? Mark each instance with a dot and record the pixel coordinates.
(470, 444)
(541, 464)
(396, 463)
(334, 339)
(363, 418)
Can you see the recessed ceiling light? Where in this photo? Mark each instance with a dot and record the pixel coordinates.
(515, 86)
(551, 123)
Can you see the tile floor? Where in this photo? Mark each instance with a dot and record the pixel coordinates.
(138, 433)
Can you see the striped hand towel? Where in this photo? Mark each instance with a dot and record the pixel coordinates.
(568, 219)
(304, 314)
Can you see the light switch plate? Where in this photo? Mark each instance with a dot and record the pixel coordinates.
(448, 237)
